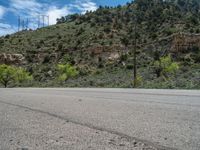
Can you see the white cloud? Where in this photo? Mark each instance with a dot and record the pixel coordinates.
(2, 11)
(6, 29)
(25, 4)
(26, 7)
(90, 6)
(81, 5)
(33, 8)
(84, 5)
(4, 25)
(30, 9)
(55, 12)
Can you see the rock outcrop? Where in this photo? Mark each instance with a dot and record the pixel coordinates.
(12, 59)
(184, 41)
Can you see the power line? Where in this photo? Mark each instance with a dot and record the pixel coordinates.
(43, 20)
(24, 23)
(135, 52)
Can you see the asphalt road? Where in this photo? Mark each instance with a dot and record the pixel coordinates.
(105, 119)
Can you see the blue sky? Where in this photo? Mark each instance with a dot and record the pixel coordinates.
(11, 9)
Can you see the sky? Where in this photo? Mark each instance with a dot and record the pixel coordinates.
(10, 10)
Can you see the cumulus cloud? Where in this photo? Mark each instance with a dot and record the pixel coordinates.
(33, 8)
(55, 12)
(84, 5)
(25, 4)
(2, 11)
(26, 7)
(88, 6)
(81, 5)
(6, 29)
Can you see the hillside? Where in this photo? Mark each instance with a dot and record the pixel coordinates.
(100, 45)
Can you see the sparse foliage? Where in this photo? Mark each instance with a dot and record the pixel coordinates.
(139, 80)
(165, 67)
(66, 71)
(83, 38)
(13, 75)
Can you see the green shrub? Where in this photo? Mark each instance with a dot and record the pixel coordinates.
(60, 46)
(13, 75)
(100, 65)
(66, 71)
(124, 57)
(130, 66)
(170, 31)
(165, 67)
(7, 36)
(139, 81)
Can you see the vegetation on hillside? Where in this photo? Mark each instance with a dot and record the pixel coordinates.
(100, 46)
(65, 72)
(13, 76)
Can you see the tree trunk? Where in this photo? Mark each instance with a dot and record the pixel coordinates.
(5, 85)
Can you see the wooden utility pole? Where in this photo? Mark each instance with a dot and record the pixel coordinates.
(135, 53)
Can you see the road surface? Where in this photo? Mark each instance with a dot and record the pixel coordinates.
(103, 119)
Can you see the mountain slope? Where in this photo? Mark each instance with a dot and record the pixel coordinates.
(100, 45)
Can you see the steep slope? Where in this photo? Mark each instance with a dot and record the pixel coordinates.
(100, 45)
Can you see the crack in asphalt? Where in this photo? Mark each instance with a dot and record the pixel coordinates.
(122, 135)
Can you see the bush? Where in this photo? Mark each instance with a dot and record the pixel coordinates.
(7, 36)
(100, 65)
(197, 57)
(60, 46)
(197, 30)
(130, 66)
(139, 81)
(165, 67)
(46, 59)
(170, 31)
(66, 71)
(124, 57)
(13, 75)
